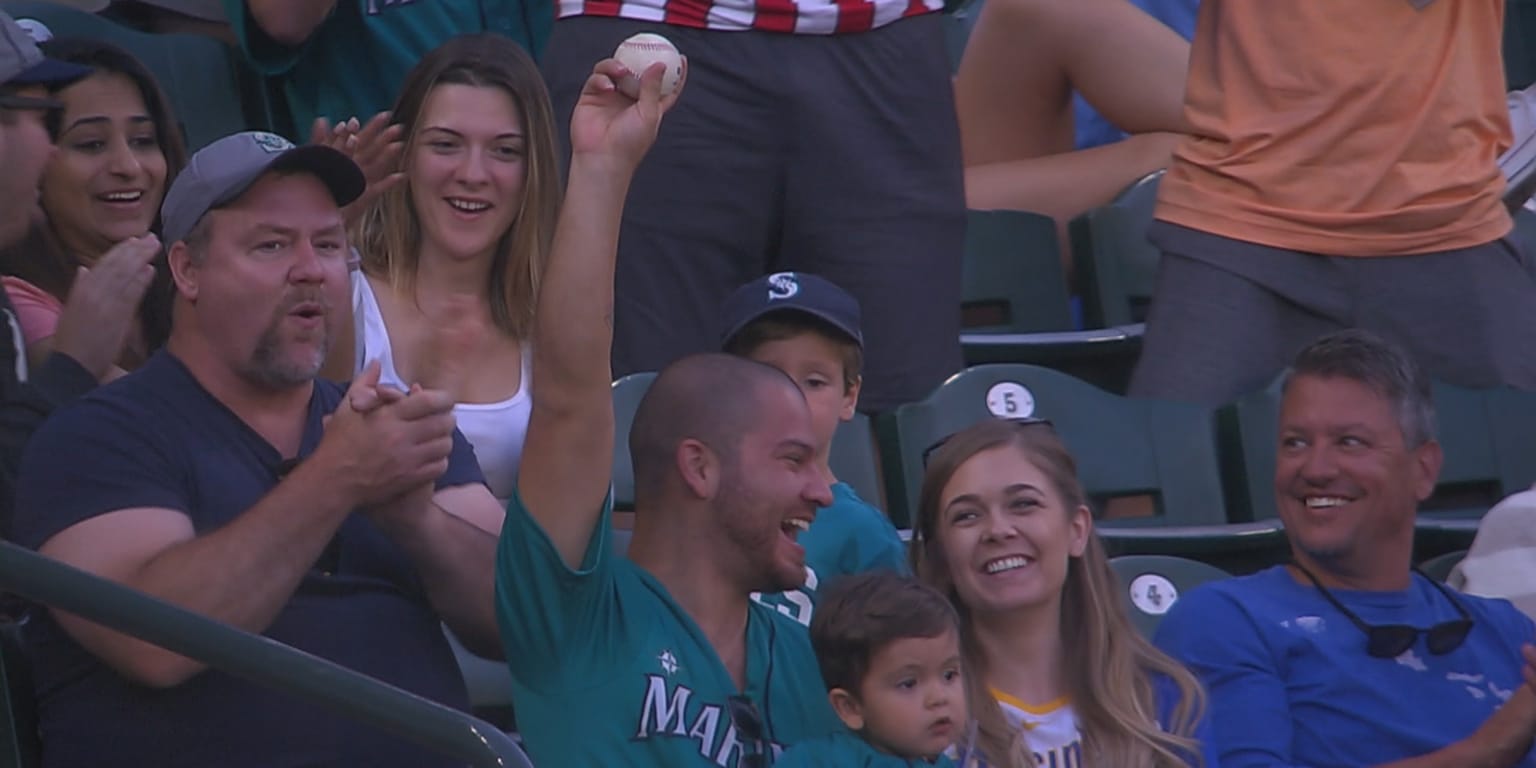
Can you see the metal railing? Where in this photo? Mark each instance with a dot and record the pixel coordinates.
(258, 659)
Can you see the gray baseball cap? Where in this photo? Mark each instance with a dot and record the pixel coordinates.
(223, 170)
(21, 63)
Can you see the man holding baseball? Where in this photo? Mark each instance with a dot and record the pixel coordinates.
(817, 137)
(661, 658)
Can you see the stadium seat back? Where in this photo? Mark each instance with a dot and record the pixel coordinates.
(209, 88)
(1116, 264)
(1123, 446)
(959, 20)
(627, 394)
(855, 461)
(1439, 567)
(1519, 43)
(1011, 274)
(20, 745)
(1153, 583)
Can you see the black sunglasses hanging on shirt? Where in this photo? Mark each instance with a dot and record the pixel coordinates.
(1388, 641)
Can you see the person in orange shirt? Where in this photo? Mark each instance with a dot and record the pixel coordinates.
(1342, 172)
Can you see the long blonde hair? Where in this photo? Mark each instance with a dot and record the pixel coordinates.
(389, 234)
(1110, 670)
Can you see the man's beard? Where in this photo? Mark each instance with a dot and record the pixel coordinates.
(267, 366)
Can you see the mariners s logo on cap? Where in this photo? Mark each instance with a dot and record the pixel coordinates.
(782, 285)
(271, 142)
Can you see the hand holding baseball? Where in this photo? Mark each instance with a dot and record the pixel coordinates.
(610, 125)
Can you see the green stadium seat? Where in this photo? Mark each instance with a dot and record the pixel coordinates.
(1153, 583)
(1488, 438)
(1519, 43)
(1439, 567)
(210, 89)
(1015, 307)
(1115, 263)
(1524, 235)
(855, 460)
(20, 744)
(627, 393)
(1125, 447)
(958, 23)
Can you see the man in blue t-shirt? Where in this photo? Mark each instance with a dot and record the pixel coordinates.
(222, 476)
(659, 659)
(1348, 656)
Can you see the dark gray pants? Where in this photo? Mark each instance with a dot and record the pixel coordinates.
(1227, 316)
(834, 155)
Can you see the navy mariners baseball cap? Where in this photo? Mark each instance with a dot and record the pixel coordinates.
(22, 63)
(797, 291)
(223, 170)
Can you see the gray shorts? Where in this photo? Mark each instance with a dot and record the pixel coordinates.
(837, 155)
(1227, 315)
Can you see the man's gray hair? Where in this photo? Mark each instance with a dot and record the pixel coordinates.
(1380, 365)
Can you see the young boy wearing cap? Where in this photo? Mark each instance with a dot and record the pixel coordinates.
(889, 651)
(808, 327)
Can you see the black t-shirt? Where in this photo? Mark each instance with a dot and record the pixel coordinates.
(156, 438)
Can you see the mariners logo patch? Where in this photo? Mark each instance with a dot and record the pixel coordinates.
(271, 142)
(782, 285)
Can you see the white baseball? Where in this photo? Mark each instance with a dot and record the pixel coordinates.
(639, 52)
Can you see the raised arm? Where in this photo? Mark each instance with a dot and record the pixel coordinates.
(565, 474)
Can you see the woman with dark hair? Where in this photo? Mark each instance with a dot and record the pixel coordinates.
(1061, 676)
(451, 252)
(118, 148)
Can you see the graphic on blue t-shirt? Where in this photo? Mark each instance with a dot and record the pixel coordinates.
(1290, 682)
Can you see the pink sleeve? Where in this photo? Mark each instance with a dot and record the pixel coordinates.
(37, 310)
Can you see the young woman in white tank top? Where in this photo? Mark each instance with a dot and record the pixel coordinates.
(451, 252)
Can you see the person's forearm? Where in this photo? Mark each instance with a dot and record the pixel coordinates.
(1063, 186)
(575, 308)
(457, 563)
(242, 574)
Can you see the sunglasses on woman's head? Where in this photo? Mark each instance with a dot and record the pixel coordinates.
(1389, 641)
(1026, 421)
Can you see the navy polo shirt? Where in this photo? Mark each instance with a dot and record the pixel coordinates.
(156, 438)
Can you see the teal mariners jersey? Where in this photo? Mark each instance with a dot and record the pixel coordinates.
(849, 537)
(607, 670)
(846, 750)
(355, 62)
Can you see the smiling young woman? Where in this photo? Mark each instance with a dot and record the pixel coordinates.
(451, 255)
(118, 149)
(1062, 675)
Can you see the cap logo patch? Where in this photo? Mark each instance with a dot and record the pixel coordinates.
(38, 31)
(271, 142)
(782, 285)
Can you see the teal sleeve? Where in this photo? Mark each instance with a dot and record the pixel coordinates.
(557, 623)
(872, 541)
(264, 54)
(800, 756)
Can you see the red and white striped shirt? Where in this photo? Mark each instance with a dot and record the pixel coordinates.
(804, 17)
